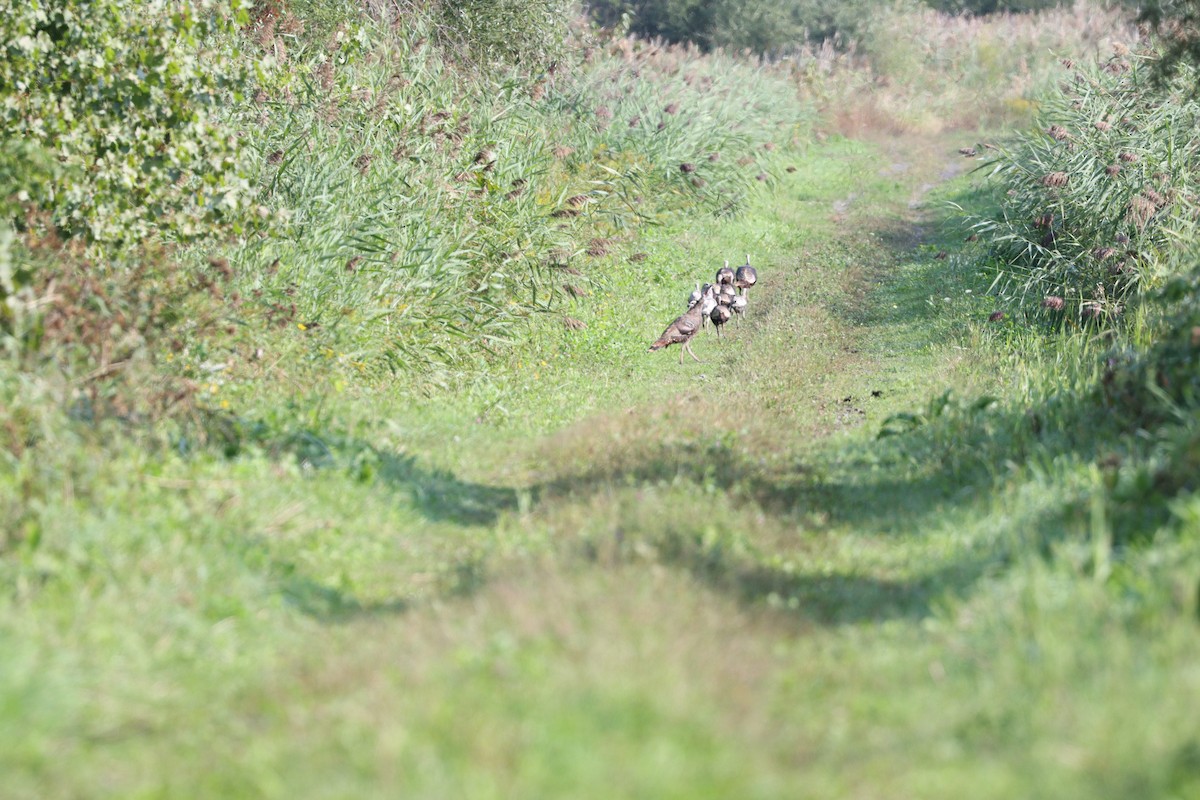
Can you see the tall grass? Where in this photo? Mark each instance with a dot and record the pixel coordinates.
(430, 211)
(1090, 253)
(1098, 197)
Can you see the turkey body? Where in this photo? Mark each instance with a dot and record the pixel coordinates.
(738, 306)
(720, 315)
(717, 302)
(681, 331)
(745, 277)
(725, 275)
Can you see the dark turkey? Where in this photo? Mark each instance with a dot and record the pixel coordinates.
(726, 294)
(745, 277)
(725, 275)
(719, 316)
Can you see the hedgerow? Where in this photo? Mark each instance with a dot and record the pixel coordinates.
(112, 112)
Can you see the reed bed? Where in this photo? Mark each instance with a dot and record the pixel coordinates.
(1096, 199)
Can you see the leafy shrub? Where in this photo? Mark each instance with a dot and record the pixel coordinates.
(842, 22)
(673, 20)
(1177, 24)
(1162, 381)
(1176, 353)
(15, 294)
(770, 26)
(762, 27)
(125, 94)
(1092, 198)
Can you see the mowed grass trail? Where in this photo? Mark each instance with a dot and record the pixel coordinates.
(603, 574)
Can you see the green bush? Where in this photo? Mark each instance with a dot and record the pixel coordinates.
(770, 25)
(125, 95)
(1177, 25)
(673, 20)
(1162, 382)
(1176, 354)
(760, 26)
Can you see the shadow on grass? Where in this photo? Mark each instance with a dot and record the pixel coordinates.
(463, 577)
(327, 604)
(837, 598)
(440, 495)
(891, 487)
(437, 494)
(869, 504)
(962, 457)
(858, 493)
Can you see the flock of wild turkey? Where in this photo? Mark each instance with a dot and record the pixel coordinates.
(716, 302)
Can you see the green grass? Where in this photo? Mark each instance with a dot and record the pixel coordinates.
(379, 557)
(599, 573)
(422, 213)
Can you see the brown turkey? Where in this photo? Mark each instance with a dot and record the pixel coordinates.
(726, 294)
(745, 277)
(738, 307)
(725, 275)
(719, 316)
(681, 332)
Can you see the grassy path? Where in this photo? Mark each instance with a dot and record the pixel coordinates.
(603, 574)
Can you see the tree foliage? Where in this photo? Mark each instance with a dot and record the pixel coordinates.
(982, 7)
(110, 111)
(761, 25)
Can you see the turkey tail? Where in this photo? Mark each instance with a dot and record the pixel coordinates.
(662, 342)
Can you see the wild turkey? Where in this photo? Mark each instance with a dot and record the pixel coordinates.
(695, 296)
(719, 316)
(681, 332)
(725, 275)
(725, 295)
(708, 301)
(738, 306)
(745, 277)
